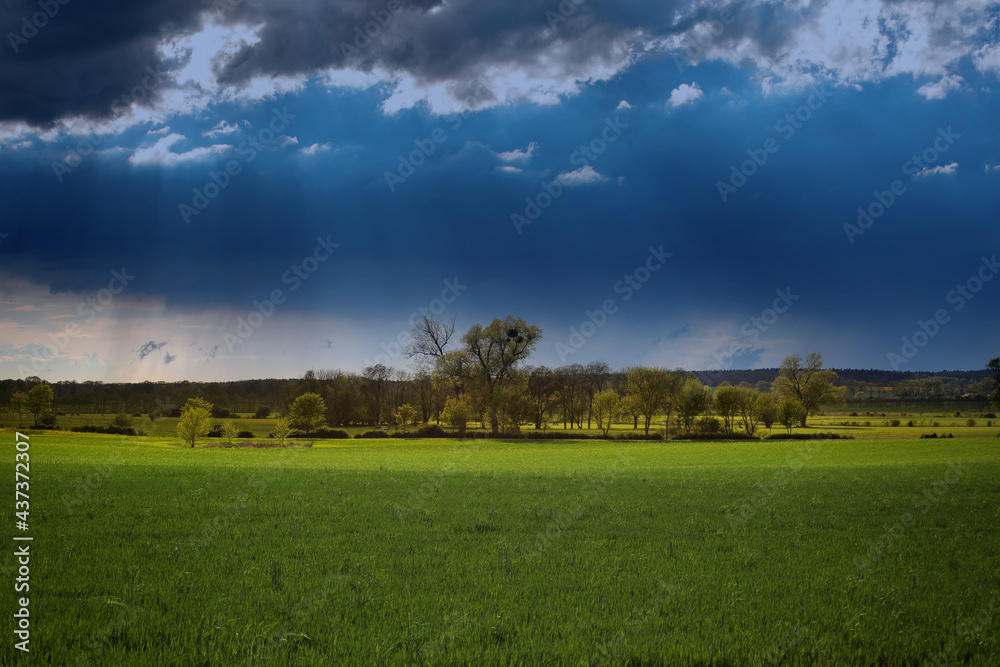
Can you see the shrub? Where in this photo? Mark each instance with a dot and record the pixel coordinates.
(216, 431)
(638, 435)
(709, 436)
(263, 412)
(110, 429)
(431, 431)
(708, 424)
(970, 422)
(373, 434)
(910, 423)
(928, 435)
(809, 436)
(48, 421)
(245, 434)
(896, 422)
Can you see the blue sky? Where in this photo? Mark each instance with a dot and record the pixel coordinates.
(239, 190)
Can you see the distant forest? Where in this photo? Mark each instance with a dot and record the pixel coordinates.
(373, 395)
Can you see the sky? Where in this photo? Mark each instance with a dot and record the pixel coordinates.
(254, 188)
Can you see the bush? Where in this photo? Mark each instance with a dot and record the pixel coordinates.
(110, 429)
(928, 435)
(809, 436)
(431, 431)
(638, 435)
(896, 422)
(262, 413)
(373, 434)
(909, 423)
(48, 421)
(970, 422)
(245, 434)
(711, 436)
(216, 432)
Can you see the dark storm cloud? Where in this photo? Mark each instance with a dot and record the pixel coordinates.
(85, 56)
(82, 56)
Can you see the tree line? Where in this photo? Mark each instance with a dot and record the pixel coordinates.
(483, 376)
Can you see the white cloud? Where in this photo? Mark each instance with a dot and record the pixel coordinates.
(581, 176)
(316, 148)
(993, 167)
(509, 169)
(623, 105)
(519, 155)
(223, 127)
(160, 153)
(847, 42)
(286, 140)
(947, 169)
(940, 89)
(987, 59)
(685, 94)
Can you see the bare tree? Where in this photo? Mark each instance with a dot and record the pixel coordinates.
(430, 337)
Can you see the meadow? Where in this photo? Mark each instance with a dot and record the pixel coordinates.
(880, 551)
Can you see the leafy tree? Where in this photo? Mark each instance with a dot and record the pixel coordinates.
(595, 375)
(607, 407)
(808, 383)
(456, 413)
(406, 414)
(376, 390)
(994, 366)
(19, 404)
(496, 350)
(542, 390)
(725, 402)
(195, 422)
(308, 411)
(229, 431)
(39, 400)
(263, 412)
(692, 400)
(198, 402)
(790, 412)
(752, 407)
(648, 390)
(282, 428)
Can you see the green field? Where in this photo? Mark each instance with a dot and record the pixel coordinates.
(875, 551)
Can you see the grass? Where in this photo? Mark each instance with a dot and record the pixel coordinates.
(511, 552)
